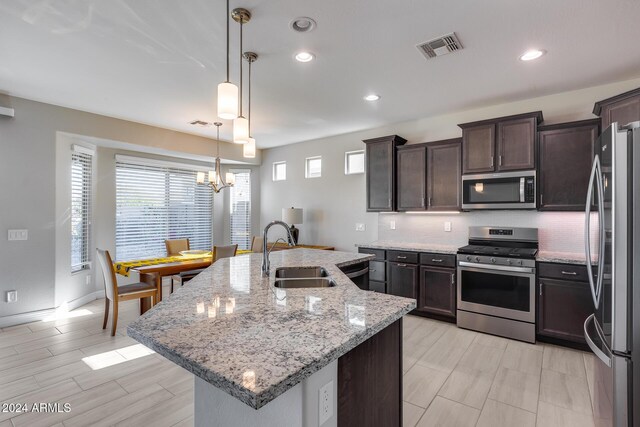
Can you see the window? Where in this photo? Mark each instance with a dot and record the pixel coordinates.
(313, 167)
(81, 199)
(241, 210)
(157, 201)
(354, 162)
(280, 171)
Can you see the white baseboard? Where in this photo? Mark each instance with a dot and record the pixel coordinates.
(34, 316)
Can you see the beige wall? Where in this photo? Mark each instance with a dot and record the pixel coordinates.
(335, 203)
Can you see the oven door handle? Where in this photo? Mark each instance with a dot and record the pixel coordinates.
(497, 267)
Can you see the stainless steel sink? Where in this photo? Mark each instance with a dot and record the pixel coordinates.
(308, 282)
(300, 272)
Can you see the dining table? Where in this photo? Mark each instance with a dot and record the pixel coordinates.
(152, 271)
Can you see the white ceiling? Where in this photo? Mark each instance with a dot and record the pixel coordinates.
(159, 61)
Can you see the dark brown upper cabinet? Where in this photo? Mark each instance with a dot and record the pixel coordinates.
(444, 175)
(479, 148)
(623, 108)
(502, 144)
(565, 156)
(381, 172)
(411, 162)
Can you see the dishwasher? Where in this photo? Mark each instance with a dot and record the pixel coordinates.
(358, 273)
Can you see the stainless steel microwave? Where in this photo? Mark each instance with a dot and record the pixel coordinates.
(505, 190)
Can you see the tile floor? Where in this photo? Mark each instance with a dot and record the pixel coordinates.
(453, 377)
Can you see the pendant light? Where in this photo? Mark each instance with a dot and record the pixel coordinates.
(249, 149)
(214, 178)
(241, 124)
(227, 91)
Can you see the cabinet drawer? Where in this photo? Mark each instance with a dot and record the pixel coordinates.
(400, 256)
(563, 271)
(377, 286)
(377, 271)
(379, 253)
(438, 260)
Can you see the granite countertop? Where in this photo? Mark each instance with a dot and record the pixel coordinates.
(561, 257)
(231, 327)
(416, 247)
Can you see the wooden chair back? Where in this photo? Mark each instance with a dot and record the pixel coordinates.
(174, 246)
(109, 274)
(224, 252)
(256, 244)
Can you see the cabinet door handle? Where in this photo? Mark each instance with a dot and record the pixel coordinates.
(491, 161)
(500, 160)
(402, 265)
(541, 204)
(422, 203)
(540, 289)
(429, 201)
(401, 257)
(435, 260)
(569, 273)
(372, 270)
(453, 278)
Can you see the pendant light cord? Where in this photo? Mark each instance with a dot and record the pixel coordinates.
(249, 112)
(227, 41)
(240, 98)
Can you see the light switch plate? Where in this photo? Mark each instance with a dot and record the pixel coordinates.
(12, 296)
(392, 225)
(447, 226)
(360, 226)
(18, 235)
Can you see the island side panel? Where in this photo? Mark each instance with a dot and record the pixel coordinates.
(370, 381)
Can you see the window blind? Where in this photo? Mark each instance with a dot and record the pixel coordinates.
(156, 202)
(241, 210)
(81, 198)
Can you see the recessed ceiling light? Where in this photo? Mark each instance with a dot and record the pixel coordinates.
(532, 54)
(303, 24)
(304, 56)
(372, 97)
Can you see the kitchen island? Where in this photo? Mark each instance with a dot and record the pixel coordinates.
(264, 355)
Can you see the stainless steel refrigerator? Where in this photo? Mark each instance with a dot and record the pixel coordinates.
(612, 243)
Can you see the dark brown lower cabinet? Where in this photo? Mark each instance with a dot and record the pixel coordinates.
(402, 279)
(563, 306)
(437, 293)
(370, 381)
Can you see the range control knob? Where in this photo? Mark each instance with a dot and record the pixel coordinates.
(477, 259)
(493, 260)
(468, 257)
(519, 262)
(509, 262)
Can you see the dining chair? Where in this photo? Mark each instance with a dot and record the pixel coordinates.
(174, 246)
(114, 293)
(218, 253)
(256, 244)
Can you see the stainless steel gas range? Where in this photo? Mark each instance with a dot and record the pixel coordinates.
(496, 282)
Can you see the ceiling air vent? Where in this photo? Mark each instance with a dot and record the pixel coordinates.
(441, 46)
(200, 123)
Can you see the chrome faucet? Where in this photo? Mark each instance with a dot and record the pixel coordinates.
(265, 247)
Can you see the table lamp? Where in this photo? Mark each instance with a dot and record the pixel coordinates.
(292, 216)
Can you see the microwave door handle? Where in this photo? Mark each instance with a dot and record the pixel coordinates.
(587, 231)
(521, 190)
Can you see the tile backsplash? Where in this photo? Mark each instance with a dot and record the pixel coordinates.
(557, 231)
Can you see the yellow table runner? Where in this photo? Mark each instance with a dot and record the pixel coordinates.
(124, 267)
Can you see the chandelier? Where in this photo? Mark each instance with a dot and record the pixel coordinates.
(214, 178)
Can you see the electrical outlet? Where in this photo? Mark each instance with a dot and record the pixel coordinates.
(325, 403)
(360, 226)
(12, 296)
(87, 280)
(18, 235)
(447, 226)
(392, 225)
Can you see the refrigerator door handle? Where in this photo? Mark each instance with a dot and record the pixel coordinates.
(587, 229)
(606, 359)
(602, 237)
